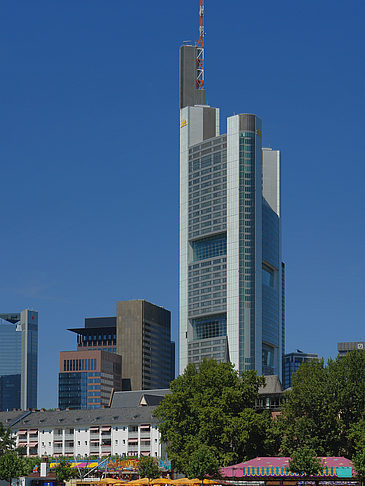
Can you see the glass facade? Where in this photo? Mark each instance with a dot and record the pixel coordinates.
(10, 392)
(72, 390)
(18, 360)
(230, 259)
(247, 246)
(209, 327)
(209, 247)
(291, 363)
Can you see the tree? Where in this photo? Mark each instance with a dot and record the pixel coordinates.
(63, 470)
(305, 461)
(12, 465)
(212, 405)
(147, 468)
(7, 442)
(323, 406)
(202, 463)
(358, 461)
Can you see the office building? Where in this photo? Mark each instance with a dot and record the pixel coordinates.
(231, 289)
(344, 348)
(144, 342)
(98, 333)
(87, 378)
(291, 363)
(88, 375)
(18, 360)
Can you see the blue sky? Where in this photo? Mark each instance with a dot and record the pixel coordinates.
(89, 155)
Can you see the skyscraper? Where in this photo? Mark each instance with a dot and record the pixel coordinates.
(18, 360)
(231, 273)
(291, 363)
(144, 342)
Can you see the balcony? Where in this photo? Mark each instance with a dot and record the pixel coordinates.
(94, 435)
(132, 447)
(58, 437)
(145, 434)
(69, 449)
(69, 436)
(133, 434)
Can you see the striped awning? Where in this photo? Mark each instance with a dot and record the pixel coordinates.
(33, 431)
(105, 429)
(32, 444)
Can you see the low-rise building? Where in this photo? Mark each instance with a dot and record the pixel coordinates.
(124, 431)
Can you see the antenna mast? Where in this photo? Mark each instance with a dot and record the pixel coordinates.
(200, 50)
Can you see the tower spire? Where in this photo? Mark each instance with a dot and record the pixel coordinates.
(200, 49)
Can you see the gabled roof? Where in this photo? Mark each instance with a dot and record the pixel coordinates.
(138, 398)
(8, 419)
(272, 386)
(84, 418)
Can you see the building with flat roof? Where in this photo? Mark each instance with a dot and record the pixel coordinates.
(231, 289)
(98, 333)
(87, 378)
(144, 342)
(344, 348)
(291, 363)
(18, 360)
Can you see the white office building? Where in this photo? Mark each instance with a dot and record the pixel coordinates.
(231, 288)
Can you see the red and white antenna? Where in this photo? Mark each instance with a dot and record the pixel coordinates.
(200, 50)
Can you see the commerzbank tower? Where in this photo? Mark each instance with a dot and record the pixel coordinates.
(232, 286)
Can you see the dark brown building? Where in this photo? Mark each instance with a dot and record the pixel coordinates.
(144, 341)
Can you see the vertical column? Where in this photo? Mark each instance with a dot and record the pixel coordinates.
(233, 239)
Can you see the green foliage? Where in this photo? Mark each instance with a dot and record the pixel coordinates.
(359, 462)
(323, 407)
(63, 471)
(213, 406)
(305, 461)
(12, 465)
(202, 462)
(148, 468)
(7, 443)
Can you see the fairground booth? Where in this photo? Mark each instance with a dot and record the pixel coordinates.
(273, 471)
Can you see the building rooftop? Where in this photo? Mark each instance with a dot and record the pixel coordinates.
(78, 418)
(272, 385)
(8, 419)
(138, 397)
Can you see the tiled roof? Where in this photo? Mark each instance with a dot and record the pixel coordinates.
(272, 386)
(133, 398)
(10, 418)
(80, 418)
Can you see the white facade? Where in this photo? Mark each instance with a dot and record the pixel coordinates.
(125, 439)
(252, 234)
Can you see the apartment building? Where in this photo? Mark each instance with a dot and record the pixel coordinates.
(127, 432)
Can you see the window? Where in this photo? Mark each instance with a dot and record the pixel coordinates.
(209, 247)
